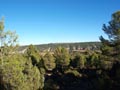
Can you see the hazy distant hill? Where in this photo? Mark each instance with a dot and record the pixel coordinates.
(70, 46)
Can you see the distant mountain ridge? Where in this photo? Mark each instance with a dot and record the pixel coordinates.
(70, 46)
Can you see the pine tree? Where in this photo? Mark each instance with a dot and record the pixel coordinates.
(62, 57)
(49, 61)
(33, 54)
(8, 42)
(111, 46)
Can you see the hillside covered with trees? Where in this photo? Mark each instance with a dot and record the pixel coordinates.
(70, 46)
(62, 69)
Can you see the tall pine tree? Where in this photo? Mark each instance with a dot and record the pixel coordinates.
(111, 46)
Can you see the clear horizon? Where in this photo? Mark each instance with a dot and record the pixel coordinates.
(56, 21)
(57, 43)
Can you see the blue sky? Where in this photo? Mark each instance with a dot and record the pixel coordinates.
(51, 21)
